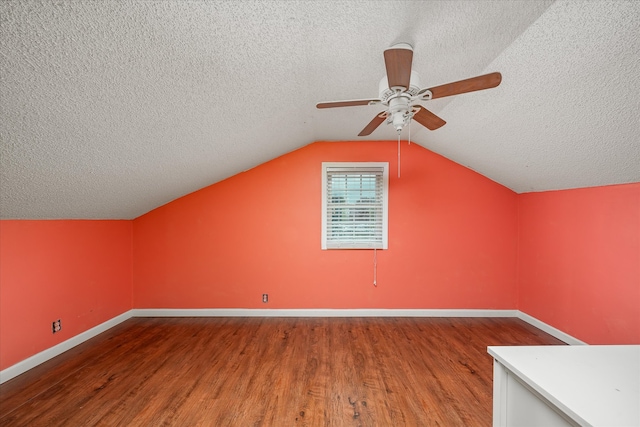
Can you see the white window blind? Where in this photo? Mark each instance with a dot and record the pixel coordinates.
(354, 205)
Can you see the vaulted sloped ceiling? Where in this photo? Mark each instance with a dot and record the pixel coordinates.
(112, 108)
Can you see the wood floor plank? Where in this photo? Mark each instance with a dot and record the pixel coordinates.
(340, 372)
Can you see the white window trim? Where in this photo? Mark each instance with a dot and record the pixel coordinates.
(385, 200)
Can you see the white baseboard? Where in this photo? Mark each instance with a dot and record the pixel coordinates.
(319, 312)
(554, 332)
(356, 312)
(37, 359)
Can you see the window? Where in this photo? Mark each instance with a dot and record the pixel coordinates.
(354, 205)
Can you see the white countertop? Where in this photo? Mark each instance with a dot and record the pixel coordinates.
(595, 385)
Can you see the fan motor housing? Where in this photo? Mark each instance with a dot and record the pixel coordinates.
(386, 93)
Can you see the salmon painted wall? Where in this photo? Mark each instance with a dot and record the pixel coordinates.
(452, 239)
(76, 271)
(579, 261)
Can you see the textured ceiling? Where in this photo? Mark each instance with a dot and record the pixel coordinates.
(112, 108)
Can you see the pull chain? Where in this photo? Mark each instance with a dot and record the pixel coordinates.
(409, 141)
(398, 154)
(375, 268)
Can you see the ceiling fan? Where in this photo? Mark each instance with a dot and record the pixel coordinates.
(400, 92)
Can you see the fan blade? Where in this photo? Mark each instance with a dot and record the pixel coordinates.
(397, 60)
(486, 81)
(351, 103)
(373, 124)
(427, 119)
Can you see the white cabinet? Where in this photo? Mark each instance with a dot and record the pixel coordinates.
(566, 386)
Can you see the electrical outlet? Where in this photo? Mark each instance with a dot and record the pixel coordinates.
(56, 326)
(265, 298)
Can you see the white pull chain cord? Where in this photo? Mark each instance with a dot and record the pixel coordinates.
(398, 154)
(375, 268)
(409, 141)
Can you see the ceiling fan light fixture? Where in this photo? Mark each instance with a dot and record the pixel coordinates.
(399, 112)
(399, 120)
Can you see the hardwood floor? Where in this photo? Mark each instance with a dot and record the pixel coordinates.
(271, 372)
